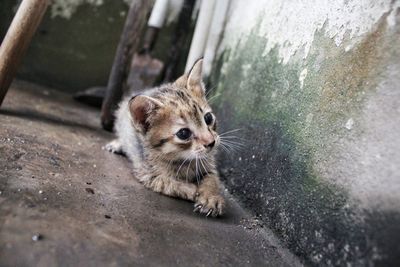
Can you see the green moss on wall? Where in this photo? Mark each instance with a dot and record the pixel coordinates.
(290, 125)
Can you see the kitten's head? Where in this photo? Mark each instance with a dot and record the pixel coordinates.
(176, 120)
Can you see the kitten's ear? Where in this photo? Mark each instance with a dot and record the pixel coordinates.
(193, 80)
(141, 107)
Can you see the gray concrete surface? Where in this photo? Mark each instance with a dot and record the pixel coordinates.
(85, 207)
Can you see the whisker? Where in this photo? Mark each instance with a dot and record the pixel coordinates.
(209, 90)
(177, 173)
(210, 164)
(187, 170)
(231, 131)
(231, 137)
(197, 177)
(224, 148)
(209, 161)
(229, 154)
(227, 149)
(202, 164)
(231, 146)
(169, 163)
(233, 143)
(213, 98)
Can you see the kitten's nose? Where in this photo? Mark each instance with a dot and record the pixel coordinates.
(210, 145)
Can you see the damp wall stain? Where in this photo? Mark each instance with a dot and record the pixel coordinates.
(320, 156)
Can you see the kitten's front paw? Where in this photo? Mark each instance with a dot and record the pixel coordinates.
(209, 205)
(114, 147)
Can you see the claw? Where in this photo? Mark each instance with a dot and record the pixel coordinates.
(197, 208)
(209, 212)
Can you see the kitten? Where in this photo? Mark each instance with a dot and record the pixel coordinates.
(169, 133)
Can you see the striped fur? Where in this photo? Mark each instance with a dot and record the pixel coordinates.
(147, 126)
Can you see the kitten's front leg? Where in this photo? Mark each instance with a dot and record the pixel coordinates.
(172, 187)
(114, 146)
(209, 200)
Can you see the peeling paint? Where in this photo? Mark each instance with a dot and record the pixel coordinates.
(299, 20)
(302, 77)
(349, 124)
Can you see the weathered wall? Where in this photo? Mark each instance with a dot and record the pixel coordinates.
(314, 88)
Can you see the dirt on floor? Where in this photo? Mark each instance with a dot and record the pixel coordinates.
(66, 202)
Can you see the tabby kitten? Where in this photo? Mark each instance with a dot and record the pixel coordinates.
(169, 133)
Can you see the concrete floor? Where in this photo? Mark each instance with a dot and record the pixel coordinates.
(85, 208)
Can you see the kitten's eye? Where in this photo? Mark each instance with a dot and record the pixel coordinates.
(184, 134)
(208, 118)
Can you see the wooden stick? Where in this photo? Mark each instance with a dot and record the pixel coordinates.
(17, 40)
(128, 44)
